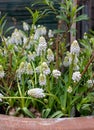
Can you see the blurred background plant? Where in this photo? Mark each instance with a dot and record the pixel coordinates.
(42, 74)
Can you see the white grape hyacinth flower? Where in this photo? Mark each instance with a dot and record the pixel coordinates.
(56, 73)
(50, 55)
(29, 69)
(45, 68)
(75, 48)
(42, 46)
(69, 90)
(25, 26)
(76, 76)
(40, 31)
(90, 83)
(22, 67)
(75, 67)
(66, 62)
(36, 93)
(43, 30)
(50, 33)
(42, 79)
(16, 37)
(21, 70)
(31, 56)
(1, 95)
(2, 74)
(37, 69)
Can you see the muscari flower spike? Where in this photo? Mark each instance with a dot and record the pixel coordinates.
(25, 26)
(76, 76)
(2, 74)
(75, 48)
(56, 73)
(45, 69)
(42, 79)
(50, 55)
(36, 92)
(29, 69)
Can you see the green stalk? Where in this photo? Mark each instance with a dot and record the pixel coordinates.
(65, 97)
(55, 97)
(69, 96)
(48, 84)
(2, 97)
(21, 95)
(71, 70)
(23, 85)
(34, 73)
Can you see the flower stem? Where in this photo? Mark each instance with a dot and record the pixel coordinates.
(21, 95)
(71, 70)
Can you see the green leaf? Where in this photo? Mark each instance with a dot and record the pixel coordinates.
(78, 107)
(46, 112)
(30, 11)
(27, 112)
(2, 19)
(81, 17)
(73, 11)
(3, 24)
(63, 17)
(78, 9)
(75, 99)
(86, 107)
(10, 28)
(57, 114)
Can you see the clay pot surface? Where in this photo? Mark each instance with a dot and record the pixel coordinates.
(19, 123)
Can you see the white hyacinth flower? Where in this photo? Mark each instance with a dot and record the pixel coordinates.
(21, 70)
(50, 33)
(25, 26)
(7, 40)
(37, 69)
(31, 56)
(36, 92)
(22, 67)
(85, 36)
(50, 55)
(2, 74)
(41, 30)
(42, 46)
(69, 90)
(45, 69)
(29, 69)
(42, 79)
(75, 67)
(42, 40)
(36, 35)
(75, 48)
(1, 95)
(31, 40)
(25, 40)
(16, 37)
(56, 73)
(66, 62)
(1, 52)
(69, 58)
(76, 76)
(90, 83)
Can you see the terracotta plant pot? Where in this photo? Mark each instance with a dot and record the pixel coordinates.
(19, 123)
